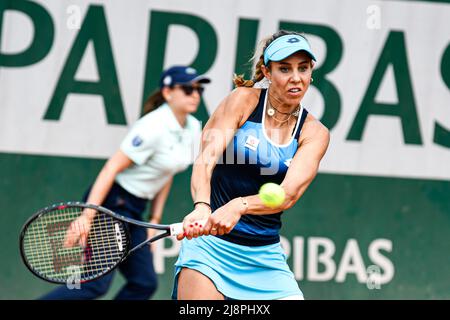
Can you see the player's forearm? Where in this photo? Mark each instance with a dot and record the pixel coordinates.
(201, 182)
(201, 174)
(214, 141)
(292, 195)
(256, 207)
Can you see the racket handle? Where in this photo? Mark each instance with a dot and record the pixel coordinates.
(177, 228)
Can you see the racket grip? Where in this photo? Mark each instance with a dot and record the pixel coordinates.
(177, 228)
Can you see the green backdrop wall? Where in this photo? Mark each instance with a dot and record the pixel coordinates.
(413, 214)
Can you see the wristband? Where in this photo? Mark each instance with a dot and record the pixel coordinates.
(196, 203)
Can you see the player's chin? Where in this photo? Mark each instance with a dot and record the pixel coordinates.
(294, 98)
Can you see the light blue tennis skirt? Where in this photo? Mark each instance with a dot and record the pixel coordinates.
(239, 272)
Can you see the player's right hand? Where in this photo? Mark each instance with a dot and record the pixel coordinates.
(192, 229)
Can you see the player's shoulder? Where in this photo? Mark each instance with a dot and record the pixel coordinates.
(314, 128)
(235, 107)
(245, 94)
(241, 99)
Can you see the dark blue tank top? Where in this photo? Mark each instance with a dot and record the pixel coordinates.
(250, 160)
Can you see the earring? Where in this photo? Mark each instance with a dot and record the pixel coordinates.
(270, 81)
(312, 80)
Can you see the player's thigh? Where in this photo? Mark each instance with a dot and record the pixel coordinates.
(194, 285)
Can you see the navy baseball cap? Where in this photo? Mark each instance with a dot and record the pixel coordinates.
(284, 46)
(181, 75)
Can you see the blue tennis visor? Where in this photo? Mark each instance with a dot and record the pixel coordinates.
(284, 46)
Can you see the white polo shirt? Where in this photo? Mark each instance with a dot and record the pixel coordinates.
(159, 148)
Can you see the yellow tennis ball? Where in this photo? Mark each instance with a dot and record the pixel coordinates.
(272, 195)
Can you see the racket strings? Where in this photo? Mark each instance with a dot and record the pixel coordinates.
(45, 251)
(72, 256)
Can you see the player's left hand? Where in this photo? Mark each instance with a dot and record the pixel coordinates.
(223, 220)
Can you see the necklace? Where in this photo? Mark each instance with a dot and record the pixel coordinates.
(280, 121)
(271, 112)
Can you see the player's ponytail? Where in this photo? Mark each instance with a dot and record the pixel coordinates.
(258, 75)
(239, 80)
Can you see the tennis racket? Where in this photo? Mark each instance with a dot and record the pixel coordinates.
(58, 246)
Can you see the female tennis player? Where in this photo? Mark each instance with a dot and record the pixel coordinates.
(160, 144)
(263, 135)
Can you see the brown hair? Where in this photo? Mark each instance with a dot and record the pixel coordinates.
(258, 75)
(153, 101)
